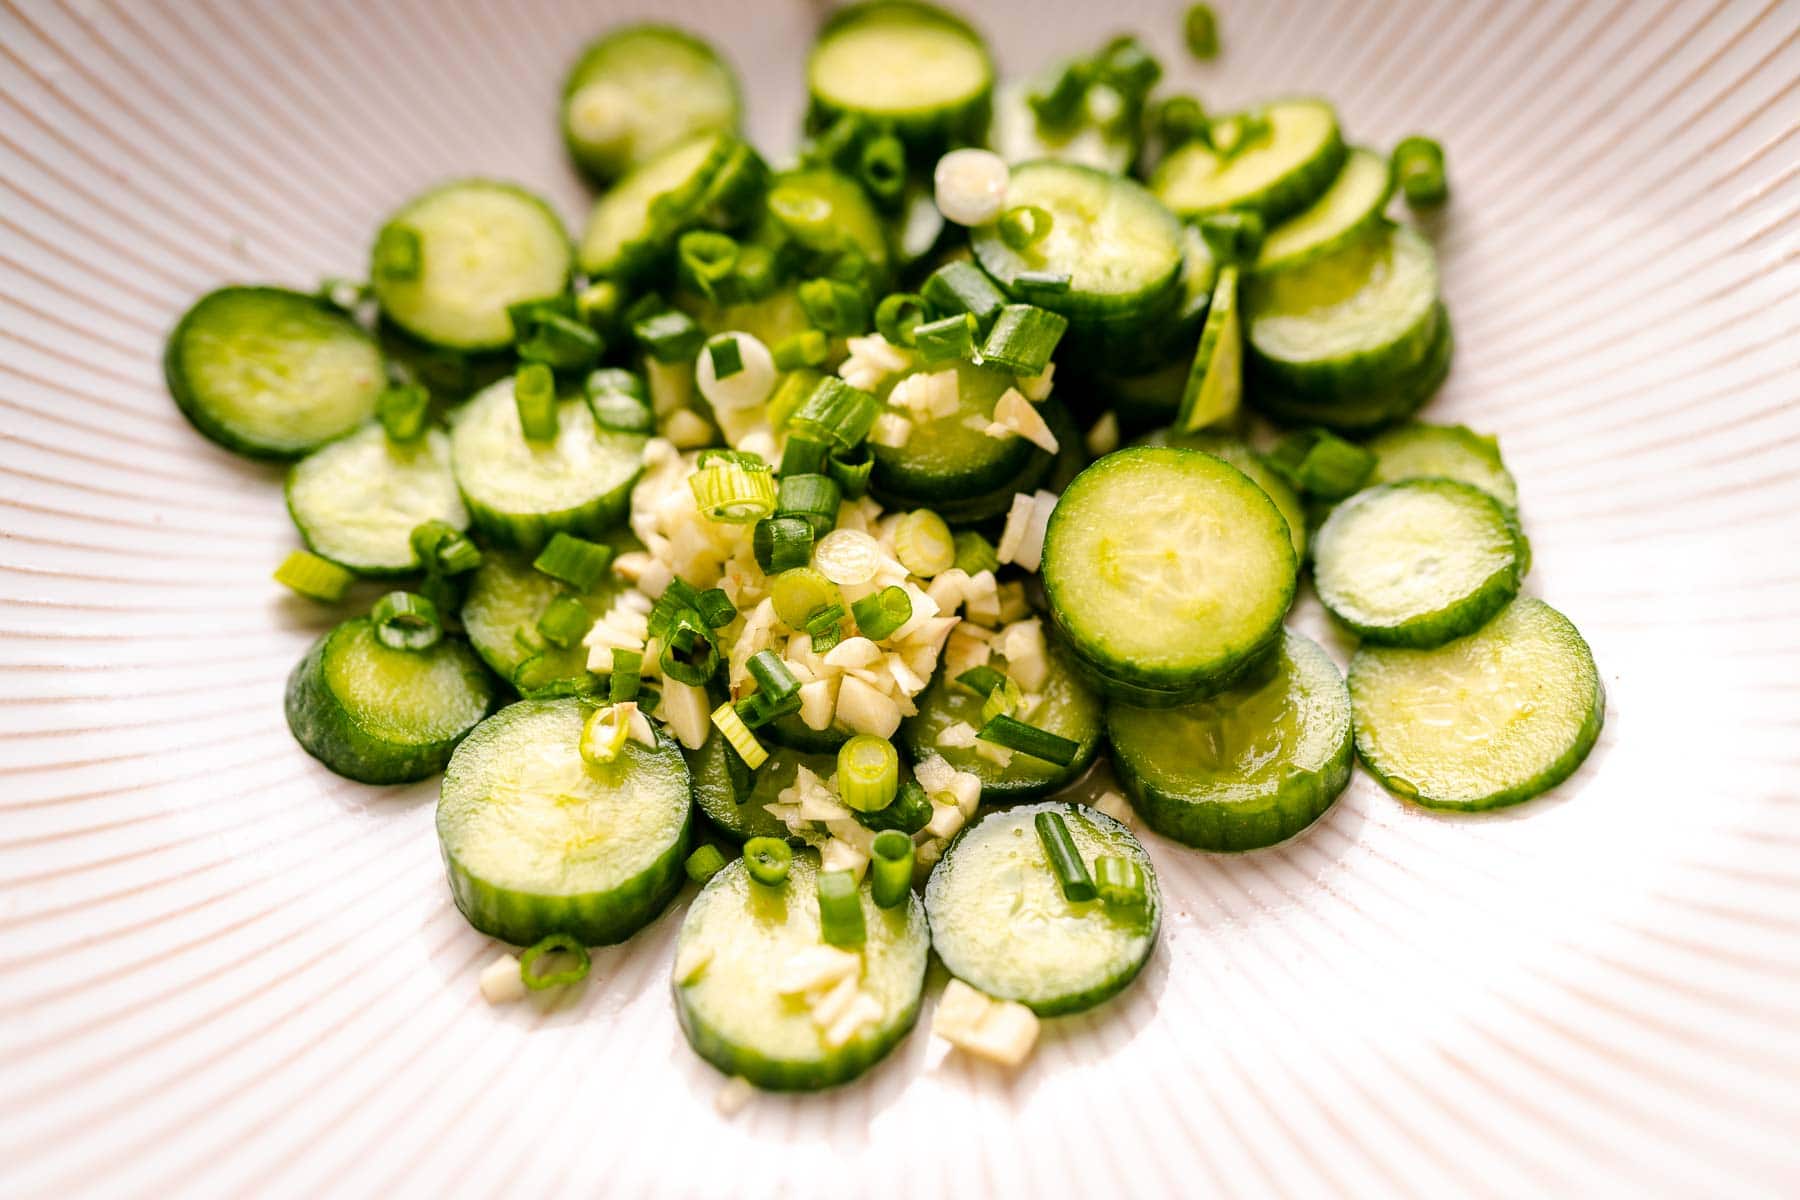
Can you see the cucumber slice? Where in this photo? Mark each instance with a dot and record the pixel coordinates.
(741, 932)
(838, 215)
(377, 715)
(1120, 248)
(521, 492)
(1240, 455)
(702, 181)
(1421, 451)
(1001, 924)
(1247, 768)
(482, 247)
(770, 320)
(1417, 563)
(1274, 176)
(638, 91)
(1065, 707)
(1018, 137)
(1490, 719)
(506, 597)
(1346, 212)
(536, 840)
(1349, 322)
(910, 67)
(357, 500)
(271, 373)
(944, 458)
(1215, 382)
(1169, 570)
(1036, 469)
(1367, 409)
(733, 797)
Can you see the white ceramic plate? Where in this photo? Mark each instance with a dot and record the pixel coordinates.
(224, 971)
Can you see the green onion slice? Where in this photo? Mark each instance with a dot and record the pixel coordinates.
(406, 621)
(1065, 858)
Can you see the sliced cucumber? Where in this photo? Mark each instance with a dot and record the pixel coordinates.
(771, 320)
(1417, 563)
(1421, 451)
(1215, 382)
(378, 715)
(1347, 211)
(638, 91)
(271, 373)
(1120, 249)
(1276, 174)
(1349, 322)
(1240, 455)
(481, 246)
(1168, 570)
(357, 500)
(506, 597)
(1246, 768)
(520, 492)
(1064, 707)
(830, 213)
(702, 181)
(734, 798)
(1001, 924)
(733, 942)
(910, 67)
(537, 840)
(1036, 469)
(1368, 408)
(1490, 719)
(944, 458)
(1019, 137)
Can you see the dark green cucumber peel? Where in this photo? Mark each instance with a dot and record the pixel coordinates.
(1363, 412)
(734, 798)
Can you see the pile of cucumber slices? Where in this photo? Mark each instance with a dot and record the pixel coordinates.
(833, 533)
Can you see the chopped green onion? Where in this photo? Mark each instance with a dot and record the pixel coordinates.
(617, 379)
(923, 544)
(627, 676)
(736, 188)
(850, 470)
(406, 621)
(891, 868)
(341, 293)
(1233, 236)
(808, 348)
(1023, 338)
(799, 593)
(715, 608)
(1024, 225)
(836, 413)
(961, 287)
(727, 493)
(575, 561)
(565, 621)
(1003, 699)
(883, 169)
(727, 359)
(840, 909)
(810, 498)
(1320, 464)
(668, 335)
(1004, 730)
(404, 411)
(443, 591)
(826, 628)
(768, 859)
(704, 863)
(1201, 30)
(314, 577)
(690, 655)
(795, 387)
(982, 680)
(706, 261)
(947, 338)
(868, 773)
(556, 943)
(1419, 170)
(879, 614)
(782, 543)
(726, 720)
(598, 304)
(774, 683)
(804, 214)
(898, 315)
(618, 400)
(1045, 282)
(834, 306)
(1058, 105)
(738, 458)
(534, 391)
(679, 601)
(975, 554)
(851, 267)
(556, 339)
(1065, 858)
(604, 734)
(399, 253)
(1119, 881)
(1179, 120)
(909, 813)
(803, 456)
(443, 549)
(1230, 136)
(758, 274)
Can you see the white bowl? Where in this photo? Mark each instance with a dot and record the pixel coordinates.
(225, 971)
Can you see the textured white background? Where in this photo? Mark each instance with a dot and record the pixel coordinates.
(224, 971)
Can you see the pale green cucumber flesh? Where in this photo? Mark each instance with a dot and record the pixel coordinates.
(1244, 769)
(1344, 212)
(1275, 176)
(1036, 469)
(1421, 451)
(1240, 455)
(638, 91)
(1001, 924)
(506, 596)
(379, 715)
(734, 798)
(1018, 136)
(943, 457)
(1367, 407)
(271, 373)
(357, 500)
(537, 840)
(1417, 563)
(741, 932)
(1215, 382)
(1488, 720)
(910, 67)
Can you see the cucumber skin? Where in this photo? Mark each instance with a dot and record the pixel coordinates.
(1380, 406)
(1447, 624)
(790, 731)
(527, 532)
(1289, 194)
(328, 732)
(784, 1075)
(1355, 232)
(1357, 374)
(175, 376)
(591, 170)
